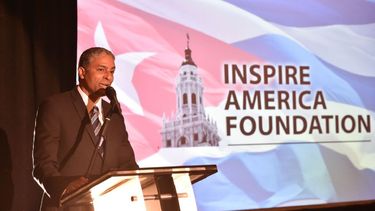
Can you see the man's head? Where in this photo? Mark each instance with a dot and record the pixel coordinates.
(96, 69)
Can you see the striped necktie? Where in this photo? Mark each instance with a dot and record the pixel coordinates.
(94, 116)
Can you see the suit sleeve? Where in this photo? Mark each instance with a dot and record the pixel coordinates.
(126, 154)
(45, 149)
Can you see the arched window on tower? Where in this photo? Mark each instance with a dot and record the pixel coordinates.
(184, 99)
(193, 99)
(181, 141)
(204, 138)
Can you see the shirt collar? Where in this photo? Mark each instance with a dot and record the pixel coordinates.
(85, 99)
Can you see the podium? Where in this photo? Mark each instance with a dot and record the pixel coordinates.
(161, 188)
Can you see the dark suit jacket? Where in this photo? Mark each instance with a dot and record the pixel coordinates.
(64, 142)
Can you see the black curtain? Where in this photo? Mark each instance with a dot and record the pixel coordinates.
(37, 59)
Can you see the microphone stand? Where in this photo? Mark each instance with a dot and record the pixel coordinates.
(101, 136)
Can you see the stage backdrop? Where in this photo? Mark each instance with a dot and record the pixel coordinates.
(279, 95)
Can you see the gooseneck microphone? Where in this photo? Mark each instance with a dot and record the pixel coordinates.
(111, 94)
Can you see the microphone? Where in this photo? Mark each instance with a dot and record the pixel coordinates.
(111, 94)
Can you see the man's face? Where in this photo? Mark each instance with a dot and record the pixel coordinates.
(98, 75)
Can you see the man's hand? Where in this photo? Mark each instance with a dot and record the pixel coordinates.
(75, 184)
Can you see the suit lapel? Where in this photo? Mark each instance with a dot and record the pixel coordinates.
(106, 109)
(81, 110)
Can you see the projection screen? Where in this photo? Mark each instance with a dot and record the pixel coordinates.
(279, 95)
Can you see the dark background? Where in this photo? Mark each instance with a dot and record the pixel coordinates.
(37, 59)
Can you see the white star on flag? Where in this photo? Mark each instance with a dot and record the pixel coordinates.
(126, 65)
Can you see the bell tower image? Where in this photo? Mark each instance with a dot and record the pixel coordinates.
(190, 127)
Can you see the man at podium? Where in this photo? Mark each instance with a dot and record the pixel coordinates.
(70, 142)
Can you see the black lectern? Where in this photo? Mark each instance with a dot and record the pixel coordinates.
(162, 188)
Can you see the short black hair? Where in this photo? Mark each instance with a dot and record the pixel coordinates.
(85, 57)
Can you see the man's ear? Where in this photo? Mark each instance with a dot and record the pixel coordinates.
(81, 72)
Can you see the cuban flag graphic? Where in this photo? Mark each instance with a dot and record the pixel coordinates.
(335, 38)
